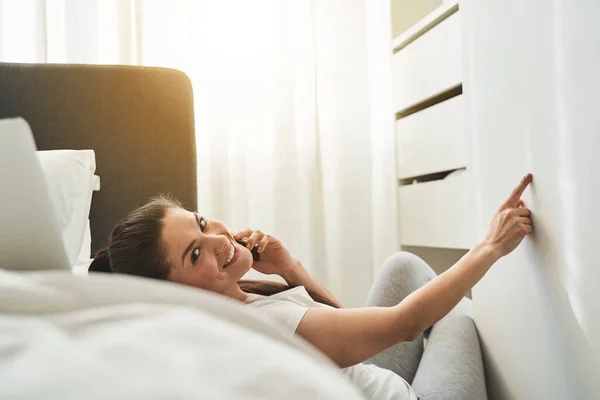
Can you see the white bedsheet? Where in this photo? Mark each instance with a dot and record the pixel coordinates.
(65, 336)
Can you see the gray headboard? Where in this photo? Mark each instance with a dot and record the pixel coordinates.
(139, 121)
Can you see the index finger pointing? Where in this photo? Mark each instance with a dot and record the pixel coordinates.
(518, 192)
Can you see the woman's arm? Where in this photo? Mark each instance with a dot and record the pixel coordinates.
(299, 276)
(351, 336)
(276, 259)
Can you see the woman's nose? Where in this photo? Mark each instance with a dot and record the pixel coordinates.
(219, 243)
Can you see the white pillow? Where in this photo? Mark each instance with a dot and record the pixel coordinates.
(86, 247)
(70, 179)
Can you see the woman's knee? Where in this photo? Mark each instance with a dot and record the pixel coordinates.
(407, 267)
(401, 274)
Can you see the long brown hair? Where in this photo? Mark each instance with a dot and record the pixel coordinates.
(135, 248)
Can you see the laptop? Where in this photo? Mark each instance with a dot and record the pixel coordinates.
(30, 238)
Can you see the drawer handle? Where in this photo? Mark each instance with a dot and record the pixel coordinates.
(431, 101)
(436, 176)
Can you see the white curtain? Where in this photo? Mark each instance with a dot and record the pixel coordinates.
(294, 121)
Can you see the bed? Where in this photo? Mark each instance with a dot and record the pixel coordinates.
(69, 336)
(139, 122)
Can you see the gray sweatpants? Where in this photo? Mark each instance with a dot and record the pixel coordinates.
(452, 366)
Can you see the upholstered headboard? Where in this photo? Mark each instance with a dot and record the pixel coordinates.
(138, 120)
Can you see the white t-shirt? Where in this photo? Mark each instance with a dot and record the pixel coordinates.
(289, 307)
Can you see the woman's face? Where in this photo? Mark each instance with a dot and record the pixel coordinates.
(202, 252)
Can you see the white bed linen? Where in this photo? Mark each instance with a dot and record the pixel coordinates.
(100, 336)
(70, 180)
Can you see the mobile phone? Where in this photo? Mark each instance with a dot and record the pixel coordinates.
(254, 251)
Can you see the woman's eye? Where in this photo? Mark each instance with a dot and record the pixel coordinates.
(195, 255)
(201, 222)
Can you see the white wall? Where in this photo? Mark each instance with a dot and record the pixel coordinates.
(532, 81)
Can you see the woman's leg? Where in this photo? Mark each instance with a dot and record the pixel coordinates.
(401, 274)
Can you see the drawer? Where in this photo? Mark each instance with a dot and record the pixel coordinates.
(437, 213)
(432, 140)
(429, 65)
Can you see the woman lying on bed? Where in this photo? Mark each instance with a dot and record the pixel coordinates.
(162, 240)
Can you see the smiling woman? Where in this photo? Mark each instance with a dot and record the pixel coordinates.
(163, 240)
(202, 253)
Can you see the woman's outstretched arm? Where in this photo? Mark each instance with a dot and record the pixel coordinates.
(351, 336)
